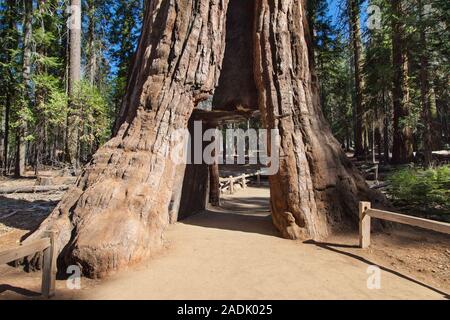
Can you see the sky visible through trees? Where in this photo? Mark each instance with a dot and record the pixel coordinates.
(38, 111)
(71, 79)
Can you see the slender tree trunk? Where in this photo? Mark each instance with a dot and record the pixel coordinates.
(372, 143)
(9, 92)
(72, 142)
(442, 105)
(2, 139)
(379, 144)
(425, 92)
(117, 212)
(402, 149)
(6, 131)
(214, 181)
(357, 60)
(39, 141)
(21, 148)
(91, 42)
(386, 144)
(214, 194)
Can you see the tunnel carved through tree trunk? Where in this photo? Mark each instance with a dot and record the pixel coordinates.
(117, 212)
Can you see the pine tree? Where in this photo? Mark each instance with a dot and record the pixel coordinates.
(27, 90)
(378, 79)
(403, 146)
(50, 109)
(332, 65)
(355, 32)
(424, 85)
(72, 145)
(126, 19)
(9, 69)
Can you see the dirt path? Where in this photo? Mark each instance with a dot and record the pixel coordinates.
(234, 253)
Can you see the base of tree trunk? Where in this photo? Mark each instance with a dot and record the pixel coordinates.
(117, 212)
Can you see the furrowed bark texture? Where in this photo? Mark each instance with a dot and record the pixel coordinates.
(117, 212)
(317, 188)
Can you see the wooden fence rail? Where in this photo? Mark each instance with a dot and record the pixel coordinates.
(45, 245)
(229, 184)
(366, 213)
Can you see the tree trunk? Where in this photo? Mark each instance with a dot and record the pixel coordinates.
(2, 140)
(74, 80)
(6, 131)
(91, 42)
(379, 144)
(9, 89)
(317, 188)
(425, 92)
(40, 95)
(117, 212)
(19, 169)
(214, 181)
(357, 61)
(441, 99)
(214, 185)
(402, 149)
(4, 127)
(214, 173)
(386, 148)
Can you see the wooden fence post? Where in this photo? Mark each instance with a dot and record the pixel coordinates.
(49, 267)
(231, 185)
(244, 182)
(364, 225)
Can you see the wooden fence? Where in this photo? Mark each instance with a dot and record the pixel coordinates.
(228, 185)
(45, 245)
(366, 213)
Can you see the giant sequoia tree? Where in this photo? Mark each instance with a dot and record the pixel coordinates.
(235, 55)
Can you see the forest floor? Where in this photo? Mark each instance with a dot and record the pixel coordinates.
(235, 253)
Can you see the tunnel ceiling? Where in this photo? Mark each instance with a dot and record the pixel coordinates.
(236, 93)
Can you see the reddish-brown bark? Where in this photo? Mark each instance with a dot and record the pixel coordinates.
(122, 202)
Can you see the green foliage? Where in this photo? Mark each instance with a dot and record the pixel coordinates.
(53, 103)
(332, 65)
(428, 188)
(37, 110)
(123, 33)
(93, 119)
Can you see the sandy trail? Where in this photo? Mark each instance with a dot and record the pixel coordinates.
(235, 253)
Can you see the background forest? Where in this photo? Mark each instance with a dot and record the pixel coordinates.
(41, 104)
(382, 65)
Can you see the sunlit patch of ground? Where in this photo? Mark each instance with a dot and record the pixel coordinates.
(234, 252)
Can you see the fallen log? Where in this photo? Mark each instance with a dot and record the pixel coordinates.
(33, 189)
(380, 185)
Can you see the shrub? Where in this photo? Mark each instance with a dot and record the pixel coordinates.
(428, 189)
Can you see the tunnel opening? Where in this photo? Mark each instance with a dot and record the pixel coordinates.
(237, 88)
(234, 102)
